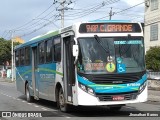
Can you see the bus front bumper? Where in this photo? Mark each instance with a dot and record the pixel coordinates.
(86, 99)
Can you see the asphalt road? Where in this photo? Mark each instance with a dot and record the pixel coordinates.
(12, 100)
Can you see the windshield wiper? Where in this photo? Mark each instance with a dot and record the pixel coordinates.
(101, 44)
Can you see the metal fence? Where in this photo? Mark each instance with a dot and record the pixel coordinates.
(153, 75)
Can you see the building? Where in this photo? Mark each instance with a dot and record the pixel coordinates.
(152, 23)
(18, 39)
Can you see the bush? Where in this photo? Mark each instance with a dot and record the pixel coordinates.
(153, 58)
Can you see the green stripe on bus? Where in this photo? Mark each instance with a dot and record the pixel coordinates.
(96, 85)
(49, 70)
(43, 69)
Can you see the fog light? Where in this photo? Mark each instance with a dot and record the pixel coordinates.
(90, 91)
(142, 87)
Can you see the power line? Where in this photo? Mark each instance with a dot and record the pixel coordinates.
(111, 14)
(91, 10)
(62, 3)
(6, 32)
(34, 24)
(35, 17)
(123, 10)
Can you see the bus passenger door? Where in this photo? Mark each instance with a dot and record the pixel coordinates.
(69, 69)
(34, 73)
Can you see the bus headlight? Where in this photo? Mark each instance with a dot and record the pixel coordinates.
(90, 91)
(86, 89)
(142, 87)
(83, 87)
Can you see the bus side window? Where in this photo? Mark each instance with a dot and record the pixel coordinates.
(27, 56)
(57, 49)
(17, 57)
(49, 50)
(22, 57)
(41, 53)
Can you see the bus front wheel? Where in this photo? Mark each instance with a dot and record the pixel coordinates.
(61, 102)
(28, 96)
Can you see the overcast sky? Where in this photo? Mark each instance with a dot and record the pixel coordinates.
(28, 17)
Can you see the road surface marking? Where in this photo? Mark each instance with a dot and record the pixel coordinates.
(14, 98)
(68, 117)
(43, 108)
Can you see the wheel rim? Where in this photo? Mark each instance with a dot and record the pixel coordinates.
(27, 93)
(61, 99)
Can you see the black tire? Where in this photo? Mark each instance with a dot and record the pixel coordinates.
(28, 96)
(115, 108)
(64, 107)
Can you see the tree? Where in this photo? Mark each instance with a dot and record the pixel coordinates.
(5, 50)
(153, 58)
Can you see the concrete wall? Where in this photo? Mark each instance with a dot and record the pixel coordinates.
(151, 17)
(154, 84)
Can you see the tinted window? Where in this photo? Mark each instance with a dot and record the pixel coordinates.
(22, 57)
(27, 56)
(17, 58)
(57, 49)
(49, 51)
(41, 53)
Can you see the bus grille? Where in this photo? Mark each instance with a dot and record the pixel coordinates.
(109, 97)
(114, 78)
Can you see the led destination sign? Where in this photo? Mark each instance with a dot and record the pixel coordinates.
(109, 28)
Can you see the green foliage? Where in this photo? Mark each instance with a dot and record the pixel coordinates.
(153, 58)
(5, 50)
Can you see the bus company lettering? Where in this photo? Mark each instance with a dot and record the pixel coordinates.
(133, 84)
(109, 28)
(47, 76)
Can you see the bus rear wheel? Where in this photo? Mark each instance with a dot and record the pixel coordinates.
(28, 96)
(64, 107)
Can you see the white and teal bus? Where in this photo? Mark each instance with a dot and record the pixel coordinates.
(96, 63)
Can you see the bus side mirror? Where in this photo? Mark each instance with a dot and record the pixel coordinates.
(75, 50)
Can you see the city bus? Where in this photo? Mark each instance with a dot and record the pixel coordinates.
(94, 63)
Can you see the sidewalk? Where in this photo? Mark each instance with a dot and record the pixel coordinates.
(5, 79)
(154, 95)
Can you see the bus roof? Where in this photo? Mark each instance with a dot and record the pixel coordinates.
(109, 21)
(39, 38)
(57, 32)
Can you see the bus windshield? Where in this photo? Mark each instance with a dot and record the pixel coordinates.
(101, 55)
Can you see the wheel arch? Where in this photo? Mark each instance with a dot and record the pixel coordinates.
(58, 86)
(26, 82)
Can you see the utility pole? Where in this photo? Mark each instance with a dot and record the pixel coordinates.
(12, 54)
(63, 4)
(111, 14)
(62, 13)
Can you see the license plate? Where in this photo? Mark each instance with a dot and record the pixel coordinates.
(117, 98)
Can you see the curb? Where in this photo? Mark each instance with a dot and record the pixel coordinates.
(154, 88)
(154, 99)
(6, 80)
